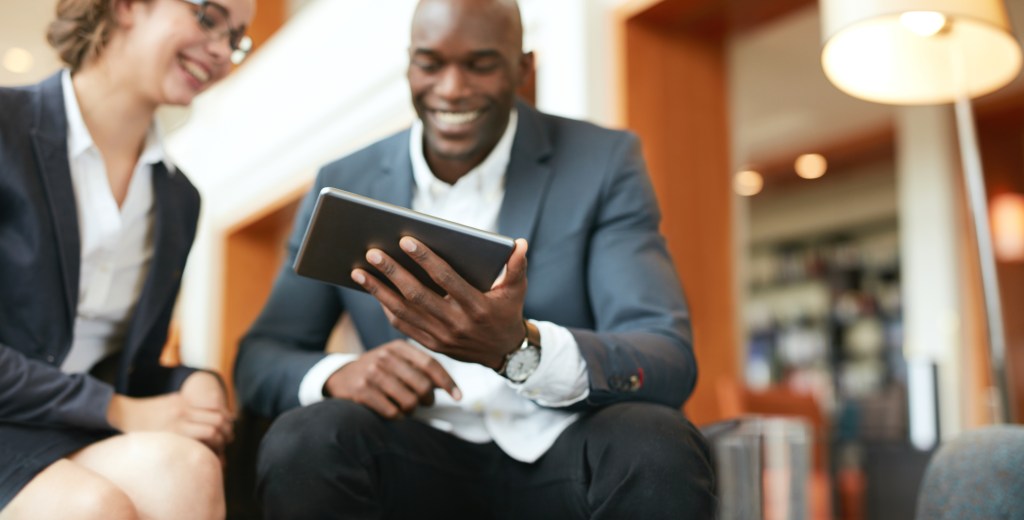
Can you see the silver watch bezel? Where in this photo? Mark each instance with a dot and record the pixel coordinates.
(511, 368)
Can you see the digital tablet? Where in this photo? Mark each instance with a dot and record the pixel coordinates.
(345, 226)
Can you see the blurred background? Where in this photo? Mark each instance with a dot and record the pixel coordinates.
(823, 240)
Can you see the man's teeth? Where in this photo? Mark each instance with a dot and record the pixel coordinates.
(456, 118)
(196, 71)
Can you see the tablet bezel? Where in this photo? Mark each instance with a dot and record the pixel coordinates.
(345, 225)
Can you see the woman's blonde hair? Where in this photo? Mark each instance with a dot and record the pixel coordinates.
(81, 30)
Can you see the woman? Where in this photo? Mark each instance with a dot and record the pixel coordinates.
(95, 227)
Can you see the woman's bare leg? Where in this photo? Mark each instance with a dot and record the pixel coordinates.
(67, 490)
(165, 475)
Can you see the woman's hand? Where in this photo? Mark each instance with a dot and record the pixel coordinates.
(198, 410)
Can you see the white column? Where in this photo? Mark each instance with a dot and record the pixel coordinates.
(927, 173)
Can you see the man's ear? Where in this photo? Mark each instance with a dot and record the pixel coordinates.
(526, 68)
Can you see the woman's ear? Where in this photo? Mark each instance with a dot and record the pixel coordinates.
(124, 13)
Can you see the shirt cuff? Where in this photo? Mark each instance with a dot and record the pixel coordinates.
(311, 389)
(561, 379)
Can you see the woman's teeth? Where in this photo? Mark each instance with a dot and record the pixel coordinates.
(195, 70)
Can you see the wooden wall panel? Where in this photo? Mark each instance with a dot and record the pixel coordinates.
(1002, 148)
(253, 252)
(675, 99)
(270, 16)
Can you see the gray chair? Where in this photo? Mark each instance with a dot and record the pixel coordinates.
(978, 475)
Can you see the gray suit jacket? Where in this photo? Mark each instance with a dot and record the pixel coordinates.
(39, 272)
(596, 265)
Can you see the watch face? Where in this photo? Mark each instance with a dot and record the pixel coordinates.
(522, 363)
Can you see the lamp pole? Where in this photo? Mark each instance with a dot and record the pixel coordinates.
(977, 203)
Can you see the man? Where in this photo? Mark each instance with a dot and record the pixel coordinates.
(571, 413)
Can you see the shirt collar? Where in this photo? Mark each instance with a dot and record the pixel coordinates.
(489, 175)
(80, 140)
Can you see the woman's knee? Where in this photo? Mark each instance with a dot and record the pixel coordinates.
(186, 457)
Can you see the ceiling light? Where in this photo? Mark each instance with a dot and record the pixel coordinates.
(810, 165)
(747, 183)
(18, 60)
(1008, 226)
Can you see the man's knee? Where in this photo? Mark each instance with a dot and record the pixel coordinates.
(647, 442)
(322, 431)
(645, 430)
(644, 453)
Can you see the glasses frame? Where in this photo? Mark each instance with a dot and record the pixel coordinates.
(238, 41)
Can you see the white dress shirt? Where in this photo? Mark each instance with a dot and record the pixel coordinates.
(116, 242)
(514, 416)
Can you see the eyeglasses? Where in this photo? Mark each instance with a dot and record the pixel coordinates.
(213, 18)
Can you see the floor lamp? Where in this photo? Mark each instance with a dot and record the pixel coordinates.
(926, 52)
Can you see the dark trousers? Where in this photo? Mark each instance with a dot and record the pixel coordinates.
(338, 459)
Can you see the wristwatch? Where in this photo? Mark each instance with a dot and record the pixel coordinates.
(522, 362)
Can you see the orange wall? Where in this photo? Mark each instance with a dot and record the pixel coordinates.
(675, 99)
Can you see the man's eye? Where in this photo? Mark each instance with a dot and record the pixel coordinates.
(484, 65)
(427, 65)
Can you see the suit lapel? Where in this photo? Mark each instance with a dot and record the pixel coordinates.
(49, 138)
(527, 178)
(394, 183)
(169, 239)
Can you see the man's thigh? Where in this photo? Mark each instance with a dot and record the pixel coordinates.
(637, 459)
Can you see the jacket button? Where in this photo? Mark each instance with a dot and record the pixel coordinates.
(50, 358)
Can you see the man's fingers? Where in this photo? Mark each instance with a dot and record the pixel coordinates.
(439, 376)
(422, 362)
(410, 287)
(380, 404)
(515, 269)
(401, 308)
(427, 399)
(398, 393)
(440, 272)
(412, 377)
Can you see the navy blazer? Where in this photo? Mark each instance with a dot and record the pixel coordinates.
(39, 272)
(597, 265)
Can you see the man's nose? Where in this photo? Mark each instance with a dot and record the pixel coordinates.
(452, 82)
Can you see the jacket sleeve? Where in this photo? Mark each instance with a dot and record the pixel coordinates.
(151, 380)
(33, 392)
(641, 346)
(289, 335)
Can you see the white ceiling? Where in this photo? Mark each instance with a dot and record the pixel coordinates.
(781, 101)
(23, 24)
(779, 98)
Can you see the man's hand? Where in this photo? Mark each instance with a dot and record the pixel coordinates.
(392, 380)
(465, 324)
(199, 410)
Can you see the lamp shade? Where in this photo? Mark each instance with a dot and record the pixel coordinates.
(918, 52)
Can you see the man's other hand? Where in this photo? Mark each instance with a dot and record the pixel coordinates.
(392, 380)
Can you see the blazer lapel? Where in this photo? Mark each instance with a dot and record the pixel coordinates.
(169, 240)
(49, 138)
(527, 177)
(394, 183)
